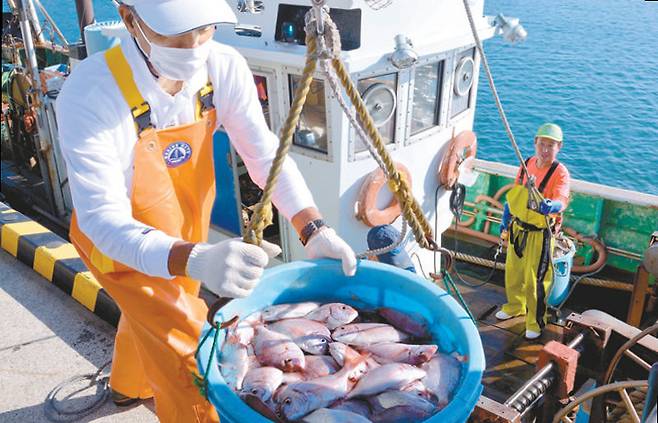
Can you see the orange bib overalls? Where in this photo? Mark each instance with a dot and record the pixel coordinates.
(173, 190)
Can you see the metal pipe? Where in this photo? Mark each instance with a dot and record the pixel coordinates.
(52, 23)
(34, 20)
(85, 11)
(44, 148)
(528, 394)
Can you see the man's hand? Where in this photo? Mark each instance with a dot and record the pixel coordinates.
(505, 220)
(549, 207)
(325, 243)
(231, 268)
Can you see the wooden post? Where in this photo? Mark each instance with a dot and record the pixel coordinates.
(638, 296)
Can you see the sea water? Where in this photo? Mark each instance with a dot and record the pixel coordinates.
(590, 66)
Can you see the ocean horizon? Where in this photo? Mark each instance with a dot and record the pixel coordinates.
(589, 66)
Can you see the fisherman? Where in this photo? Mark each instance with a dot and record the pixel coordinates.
(528, 268)
(136, 125)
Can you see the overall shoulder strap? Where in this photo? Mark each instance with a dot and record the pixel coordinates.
(123, 75)
(204, 100)
(551, 171)
(522, 175)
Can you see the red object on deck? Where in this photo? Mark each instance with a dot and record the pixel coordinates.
(566, 359)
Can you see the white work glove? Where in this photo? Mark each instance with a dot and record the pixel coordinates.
(231, 268)
(325, 243)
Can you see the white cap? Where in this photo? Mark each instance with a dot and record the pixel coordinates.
(173, 17)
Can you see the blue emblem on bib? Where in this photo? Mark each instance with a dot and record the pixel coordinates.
(177, 153)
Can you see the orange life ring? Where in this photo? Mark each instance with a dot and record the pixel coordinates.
(367, 210)
(461, 147)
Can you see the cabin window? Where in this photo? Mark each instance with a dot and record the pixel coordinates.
(379, 93)
(311, 130)
(463, 82)
(427, 97)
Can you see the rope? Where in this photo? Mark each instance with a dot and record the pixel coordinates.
(449, 283)
(333, 83)
(262, 215)
(411, 210)
(532, 189)
(201, 381)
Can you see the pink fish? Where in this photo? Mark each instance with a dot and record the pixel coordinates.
(262, 382)
(277, 350)
(287, 311)
(416, 325)
(400, 353)
(301, 398)
(418, 388)
(401, 414)
(443, 373)
(364, 334)
(333, 315)
(245, 328)
(342, 352)
(309, 335)
(318, 366)
(326, 415)
(355, 406)
(390, 399)
(234, 360)
(386, 377)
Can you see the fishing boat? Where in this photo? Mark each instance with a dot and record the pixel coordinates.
(418, 78)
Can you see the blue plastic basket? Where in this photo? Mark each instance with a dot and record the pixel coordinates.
(375, 285)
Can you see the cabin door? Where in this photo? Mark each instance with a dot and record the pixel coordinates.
(237, 194)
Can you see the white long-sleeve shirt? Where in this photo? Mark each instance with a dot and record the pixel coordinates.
(97, 137)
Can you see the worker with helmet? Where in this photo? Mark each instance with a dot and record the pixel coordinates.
(531, 215)
(136, 125)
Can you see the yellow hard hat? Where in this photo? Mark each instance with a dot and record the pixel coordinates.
(550, 130)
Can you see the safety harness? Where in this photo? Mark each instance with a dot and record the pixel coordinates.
(519, 239)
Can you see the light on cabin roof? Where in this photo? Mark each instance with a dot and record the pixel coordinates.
(404, 55)
(510, 28)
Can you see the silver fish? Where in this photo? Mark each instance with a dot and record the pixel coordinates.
(287, 311)
(262, 382)
(364, 334)
(392, 399)
(319, 365)
(443, 373)
(386, 377)
(234, 360)
(309, 335)
(299, 399)
(326, 415)
(390, 352)
(277, 350)
(333, 315)
(416, 325)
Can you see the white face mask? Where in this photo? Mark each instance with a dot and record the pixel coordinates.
(179, 64)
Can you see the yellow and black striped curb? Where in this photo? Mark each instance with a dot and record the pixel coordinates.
(56, 260)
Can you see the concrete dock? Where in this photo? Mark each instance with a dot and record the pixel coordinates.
(47, 337)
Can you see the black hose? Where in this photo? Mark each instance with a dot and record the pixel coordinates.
(56, 413)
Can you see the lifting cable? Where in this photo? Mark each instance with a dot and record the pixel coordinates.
(533, 192)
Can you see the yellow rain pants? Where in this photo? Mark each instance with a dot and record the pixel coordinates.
(528, 267)
(160, 319)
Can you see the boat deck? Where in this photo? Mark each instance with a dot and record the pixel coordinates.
(510, 358)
